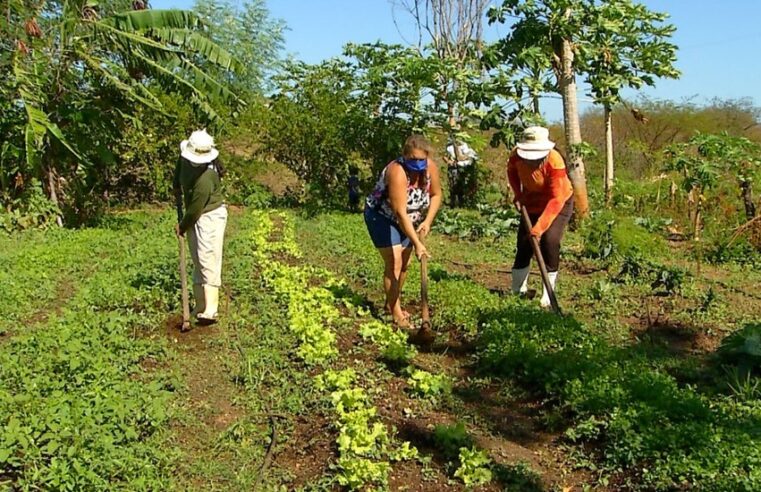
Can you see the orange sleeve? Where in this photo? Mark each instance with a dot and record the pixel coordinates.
(512, 175)
(560, 190)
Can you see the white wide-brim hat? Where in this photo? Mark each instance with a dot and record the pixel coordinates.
(199, 148)
(535, 143)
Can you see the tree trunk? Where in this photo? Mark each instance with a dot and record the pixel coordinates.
(53, 193)
(535, 102)
(698, 213)
(452, 126)
(609, 178)
(576, 170)
(747, 194)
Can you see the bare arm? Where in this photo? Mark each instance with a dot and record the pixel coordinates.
(433, 209)
(397, 195)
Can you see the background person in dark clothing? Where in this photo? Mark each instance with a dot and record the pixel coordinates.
(353, 189)
(197, 183)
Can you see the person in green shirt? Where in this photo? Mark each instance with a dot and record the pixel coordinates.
(197, 186)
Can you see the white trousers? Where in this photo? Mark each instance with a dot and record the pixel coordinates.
(206, 240)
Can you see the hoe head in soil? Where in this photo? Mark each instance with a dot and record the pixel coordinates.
(425, 335)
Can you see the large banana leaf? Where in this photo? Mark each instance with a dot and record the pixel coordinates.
(30, 83)
(206, 83)
(144, 20)
(132, 90)
(175, 77)
(40, 124)
(197, 43)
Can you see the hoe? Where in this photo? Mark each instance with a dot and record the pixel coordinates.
(540, 261)
(425, 335)
(183, 276)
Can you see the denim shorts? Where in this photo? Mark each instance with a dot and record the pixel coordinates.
(383, 231)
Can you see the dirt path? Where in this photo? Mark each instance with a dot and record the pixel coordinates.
(240, 380)
(208, 406)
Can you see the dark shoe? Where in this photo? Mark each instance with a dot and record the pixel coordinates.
(529, 294)
(203, 321)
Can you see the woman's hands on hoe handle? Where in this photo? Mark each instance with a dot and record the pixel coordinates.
(423, 229)
(421, 251)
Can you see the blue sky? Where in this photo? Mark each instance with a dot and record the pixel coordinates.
(719, 41)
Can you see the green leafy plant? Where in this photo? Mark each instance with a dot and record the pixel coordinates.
(427, 385)
(743, 347)
(490, 222)
(653, 224)
(72, 389)
(451, 438)
(392, 343)
(670, 279)
(474, 469)
(603, 290)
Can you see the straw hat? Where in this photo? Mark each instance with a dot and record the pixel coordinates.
(535, 143)
(199, 148)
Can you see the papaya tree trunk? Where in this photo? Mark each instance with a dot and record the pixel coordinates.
(452, 122)
(747, 194)
(609, 177)
(576, 169)
(698, 216)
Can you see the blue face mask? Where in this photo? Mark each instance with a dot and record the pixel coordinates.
(417, 165)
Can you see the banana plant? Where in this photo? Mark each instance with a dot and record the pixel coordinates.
(69, 49)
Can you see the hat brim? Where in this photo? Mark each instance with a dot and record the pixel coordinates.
(194, 158)
(535, 150)
(533, 155)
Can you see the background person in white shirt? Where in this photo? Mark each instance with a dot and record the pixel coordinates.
(460, 172)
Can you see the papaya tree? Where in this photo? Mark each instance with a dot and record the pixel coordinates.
(739, 157)
(699, 161)
(626, 47)
(555, 26)
(76, 55)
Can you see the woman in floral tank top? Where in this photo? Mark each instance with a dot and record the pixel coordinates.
(399, 214)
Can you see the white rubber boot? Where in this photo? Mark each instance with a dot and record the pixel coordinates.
(545, 302)
(211, 296)
(520, 280)
(199, 303)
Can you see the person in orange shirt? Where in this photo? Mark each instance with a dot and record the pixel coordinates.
(538, 178)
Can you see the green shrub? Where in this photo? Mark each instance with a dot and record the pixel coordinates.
(743, 347)
(606, 235)
(641, 419)
(740, 252)
(32, 210)
(245, 192)
(460, 303)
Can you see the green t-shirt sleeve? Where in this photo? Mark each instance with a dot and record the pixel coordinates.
(202, 190)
